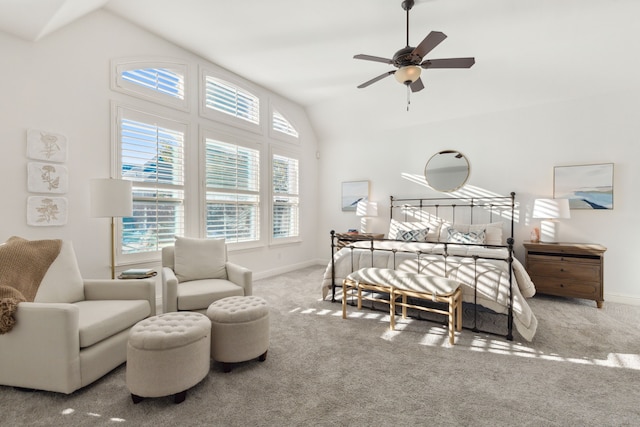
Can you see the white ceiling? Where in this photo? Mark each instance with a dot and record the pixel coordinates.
(526, 51)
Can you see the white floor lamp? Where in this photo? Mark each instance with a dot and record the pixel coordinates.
(111, 198)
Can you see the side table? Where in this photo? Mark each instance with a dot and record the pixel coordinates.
(567, 269)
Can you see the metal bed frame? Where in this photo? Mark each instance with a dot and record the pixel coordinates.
(418, 208)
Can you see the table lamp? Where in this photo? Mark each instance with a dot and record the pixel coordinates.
(111, 198)
(549, 211)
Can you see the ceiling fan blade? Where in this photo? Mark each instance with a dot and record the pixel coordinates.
(375, 79)
(417, 86)
(449, 63)
(373, 58)
(433, 39)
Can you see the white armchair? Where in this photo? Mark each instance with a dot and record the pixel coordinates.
(75, 331)
(196, 272)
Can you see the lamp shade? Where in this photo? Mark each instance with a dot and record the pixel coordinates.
(408, 74)
(365, 208)
(551, 208)
(111, 198)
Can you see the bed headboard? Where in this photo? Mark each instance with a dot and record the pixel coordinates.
(457, 210)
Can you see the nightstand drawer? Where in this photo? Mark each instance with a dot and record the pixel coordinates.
(562, 287)
(572, 259)
(585, 271)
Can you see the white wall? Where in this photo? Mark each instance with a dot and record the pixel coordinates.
(514, 150)
(61, 84)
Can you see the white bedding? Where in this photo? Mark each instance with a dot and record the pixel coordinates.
(492, 274)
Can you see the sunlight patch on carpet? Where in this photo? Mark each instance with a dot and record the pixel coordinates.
(437, 336)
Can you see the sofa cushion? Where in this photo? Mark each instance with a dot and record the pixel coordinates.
(62, 281)
(101, 319)
(199, 294)
(200, 259)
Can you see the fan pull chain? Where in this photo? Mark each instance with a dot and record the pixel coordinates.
(408, 97)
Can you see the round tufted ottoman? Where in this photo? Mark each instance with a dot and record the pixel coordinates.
(239, 329)
(167, 354)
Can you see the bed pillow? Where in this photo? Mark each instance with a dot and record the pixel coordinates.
(470, 237)
(432, 229)
(200, 259)
(418, 235)
(493, 232)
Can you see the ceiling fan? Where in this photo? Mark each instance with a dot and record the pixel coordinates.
(409, 60)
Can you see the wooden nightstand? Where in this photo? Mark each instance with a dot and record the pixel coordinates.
(567, 269)
(343, 239)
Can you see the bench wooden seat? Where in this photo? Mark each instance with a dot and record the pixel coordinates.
(402, 284)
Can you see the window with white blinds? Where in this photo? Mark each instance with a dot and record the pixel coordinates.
(161, 80)
(286, 197)
(229, 99)
(232, 191)
(152, 156)
(280, 124)
(164, 83)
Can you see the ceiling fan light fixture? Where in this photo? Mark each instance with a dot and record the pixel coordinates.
(408, 74)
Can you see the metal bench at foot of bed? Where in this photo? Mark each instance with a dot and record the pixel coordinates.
(401, 284)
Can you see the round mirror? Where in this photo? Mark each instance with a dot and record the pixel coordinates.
(447, 171)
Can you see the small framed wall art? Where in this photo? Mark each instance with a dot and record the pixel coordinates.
(47, 178)
(47, 146)
(354, 192)
(586, 186)
(46, 211)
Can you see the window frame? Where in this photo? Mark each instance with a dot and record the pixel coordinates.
(275, 150)
(121, 85)
(281, 136)
(218, 116)
(247, 141)
(117, 115)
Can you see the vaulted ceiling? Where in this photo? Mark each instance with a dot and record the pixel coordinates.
(526, 51)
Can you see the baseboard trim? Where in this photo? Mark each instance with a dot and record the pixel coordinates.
(622, 299)
(281, 270)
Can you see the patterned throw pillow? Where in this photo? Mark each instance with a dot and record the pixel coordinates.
(472, 237)
(413, 235)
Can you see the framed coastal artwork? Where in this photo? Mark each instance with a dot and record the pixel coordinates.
(354, 192)
(586, 186)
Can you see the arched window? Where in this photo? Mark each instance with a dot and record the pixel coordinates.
(225, 97)
(280, 124)
(161, 82)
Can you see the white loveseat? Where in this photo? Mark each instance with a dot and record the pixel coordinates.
(75, 331)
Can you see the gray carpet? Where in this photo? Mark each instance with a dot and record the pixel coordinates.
(582, 369)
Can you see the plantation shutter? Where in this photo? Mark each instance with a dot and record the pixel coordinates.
(232, 191)
(281, 124)
(285, 197)
(152, 156)
(226, 98)
(161, 80)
